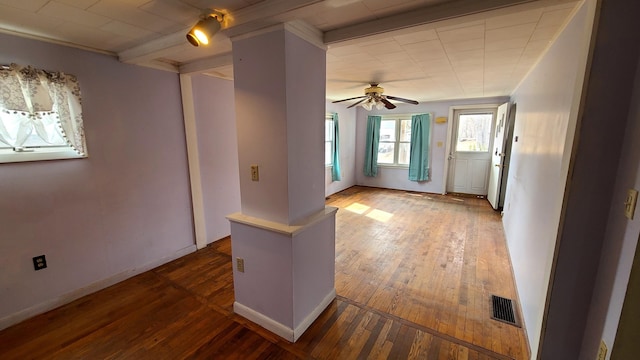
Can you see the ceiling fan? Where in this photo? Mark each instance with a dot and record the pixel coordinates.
(373, 98)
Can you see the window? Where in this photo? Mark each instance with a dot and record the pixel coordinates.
(395, 141)
(329, 138)
(40, 115)
(474, 132)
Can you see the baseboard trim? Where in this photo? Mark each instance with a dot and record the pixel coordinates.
(51, 304)
(304, 325)
(279, 329)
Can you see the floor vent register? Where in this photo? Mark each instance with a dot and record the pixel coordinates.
(503, 310)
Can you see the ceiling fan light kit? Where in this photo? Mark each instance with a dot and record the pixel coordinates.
(373, 98)
(203, 31)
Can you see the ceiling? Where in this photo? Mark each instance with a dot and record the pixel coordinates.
(419, 49)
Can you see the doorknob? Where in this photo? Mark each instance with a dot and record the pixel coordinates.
(497, 165)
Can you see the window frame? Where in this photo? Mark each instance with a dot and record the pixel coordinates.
(329, 117)
(398, 118)
(39, 150)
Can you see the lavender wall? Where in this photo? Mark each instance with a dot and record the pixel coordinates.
(395, 178)
(305, 102)
(260, 96)
(101, 219)
(546, 101)
(621, 240)
(347, 123)
(218, 149)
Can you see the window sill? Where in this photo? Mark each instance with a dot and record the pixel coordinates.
(391, 166)
(10, 156)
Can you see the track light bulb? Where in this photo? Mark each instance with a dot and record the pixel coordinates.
(204, 30)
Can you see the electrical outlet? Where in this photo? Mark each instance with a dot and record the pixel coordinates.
(255, 176)
(630, 203)
(39, 263)
(602, 352)
(240, 264)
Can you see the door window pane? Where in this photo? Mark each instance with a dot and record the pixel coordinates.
(474, 132)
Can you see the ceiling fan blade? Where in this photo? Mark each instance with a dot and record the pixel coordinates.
(357, 97)
(387, 104)
(401, 99)
(352, 105)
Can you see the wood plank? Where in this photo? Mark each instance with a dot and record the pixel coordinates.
(414, 287)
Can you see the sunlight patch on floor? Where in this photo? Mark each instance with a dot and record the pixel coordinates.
(358, 208)
(379, 215)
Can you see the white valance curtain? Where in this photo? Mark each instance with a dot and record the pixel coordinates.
(42, 101)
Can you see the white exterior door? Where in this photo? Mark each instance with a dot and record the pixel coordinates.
(470, 154)
(497, 157)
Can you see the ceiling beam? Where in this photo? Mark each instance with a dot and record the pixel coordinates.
(153, 49)
(205, 64)
(429, 15)
(244, 20)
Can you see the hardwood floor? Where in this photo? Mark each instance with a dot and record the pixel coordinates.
(416, 286)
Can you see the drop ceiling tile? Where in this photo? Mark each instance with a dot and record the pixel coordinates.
(420, 36)
(466, 55)
(419, 56)
(123, 29)
(554, 18)
(510, 32)
(373, 40)
(176, 11)
(517, 43)
(73, 14)
(525, 17)
(537, 45)
(503, 54)
(458, 24)
(462, 34)
(344, 50)
(332, 58)
(432, 45)
(86, 36)
(125, 12)
(568, 5)
(467, 45)
(343, 13)
(32, 6)
(499, 70)
(389, 57)
(436, 67)
(545, 33)
(381, 48)
(27, 22)
(80, 4)
(494, 62)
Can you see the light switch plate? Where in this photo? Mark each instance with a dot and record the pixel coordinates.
(255, 176)
(630, 203)
(602, 351)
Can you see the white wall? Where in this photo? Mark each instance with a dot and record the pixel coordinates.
(546, 115)
(218, 151)
(397, 178)
(347, 123)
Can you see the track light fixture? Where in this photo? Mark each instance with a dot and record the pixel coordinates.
(203, 31)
